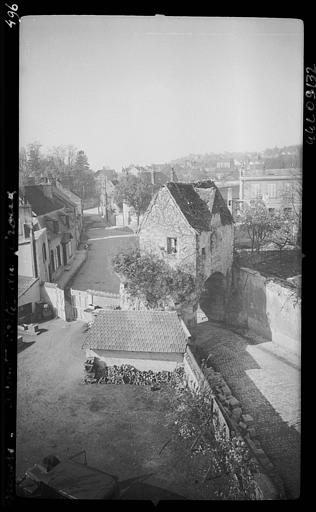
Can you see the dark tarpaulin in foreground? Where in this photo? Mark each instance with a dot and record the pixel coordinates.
(77, 481)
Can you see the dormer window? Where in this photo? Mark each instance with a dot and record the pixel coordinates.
(171, 245)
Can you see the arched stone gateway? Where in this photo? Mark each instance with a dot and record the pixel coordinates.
(212, 300)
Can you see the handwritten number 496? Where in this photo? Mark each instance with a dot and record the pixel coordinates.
(11, 13)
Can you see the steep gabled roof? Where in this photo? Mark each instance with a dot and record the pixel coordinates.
(191, 205)
(219, 206)
(218, 203)
(137, 331)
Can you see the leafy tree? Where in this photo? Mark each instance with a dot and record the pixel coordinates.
(134, 191)
(283, 234)
(80, 178)
(150, 279)
(259, 223)
(81, 164)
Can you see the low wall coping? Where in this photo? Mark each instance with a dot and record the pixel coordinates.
(102, 294)
(251, 271)
(50, 285)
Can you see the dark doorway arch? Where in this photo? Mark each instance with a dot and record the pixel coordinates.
(212, 300)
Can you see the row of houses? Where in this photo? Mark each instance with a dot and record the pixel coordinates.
(278, 188)
(50, 226)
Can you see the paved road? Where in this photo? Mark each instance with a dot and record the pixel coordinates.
(96, 273)
(268, 388)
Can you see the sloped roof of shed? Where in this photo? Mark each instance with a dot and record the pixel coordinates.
(25, 283)
(137, 331)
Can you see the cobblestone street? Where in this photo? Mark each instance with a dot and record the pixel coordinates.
(268, 387)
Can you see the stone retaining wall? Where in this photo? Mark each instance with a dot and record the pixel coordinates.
(232, 418)
(267, 307)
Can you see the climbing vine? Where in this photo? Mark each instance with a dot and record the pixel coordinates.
(149, 278)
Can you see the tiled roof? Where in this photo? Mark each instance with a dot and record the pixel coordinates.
(24, 283)
(137, 331)
(217, 204)
(40, 203)
(64, 198)
(192, 206)
(198, 202)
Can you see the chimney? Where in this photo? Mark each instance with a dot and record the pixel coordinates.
(33, 253)
(47, 190)
(173, 175)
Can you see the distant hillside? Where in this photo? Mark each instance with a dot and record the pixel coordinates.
(208, 165)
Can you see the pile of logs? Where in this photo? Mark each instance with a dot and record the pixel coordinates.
(96, 371)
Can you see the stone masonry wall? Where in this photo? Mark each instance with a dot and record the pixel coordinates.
(218, 248)
(267, 307)
(165, 220)
(231, 418)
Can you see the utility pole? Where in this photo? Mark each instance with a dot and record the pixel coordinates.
(33, 251)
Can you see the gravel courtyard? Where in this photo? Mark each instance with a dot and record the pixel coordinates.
(122, 428)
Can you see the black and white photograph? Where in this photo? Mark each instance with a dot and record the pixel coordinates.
(159, 258)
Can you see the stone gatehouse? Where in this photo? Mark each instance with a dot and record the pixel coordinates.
(190, 227)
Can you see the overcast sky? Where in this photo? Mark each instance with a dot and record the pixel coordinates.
(150, 89)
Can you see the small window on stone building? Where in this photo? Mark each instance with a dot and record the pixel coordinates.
(203, 253)
(171, 245)
(67, 221)
(287, 211)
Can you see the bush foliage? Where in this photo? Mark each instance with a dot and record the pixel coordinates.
(150, 279)
(228, 461)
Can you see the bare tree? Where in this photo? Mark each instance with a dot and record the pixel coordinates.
(259, 223)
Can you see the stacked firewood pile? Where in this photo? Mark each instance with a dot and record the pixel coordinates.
(96, 371)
